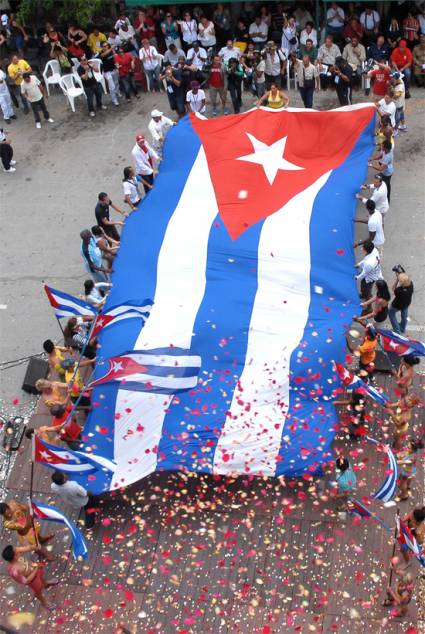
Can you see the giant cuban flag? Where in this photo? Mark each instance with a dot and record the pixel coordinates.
(245, 247)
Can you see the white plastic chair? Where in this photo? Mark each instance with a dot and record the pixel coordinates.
(96, 65)
(75, 64)
(51, 74)
(148, 83)
(72, 87)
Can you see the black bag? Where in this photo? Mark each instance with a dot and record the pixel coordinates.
(293, 41)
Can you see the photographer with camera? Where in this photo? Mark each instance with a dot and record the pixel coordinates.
(403, 292)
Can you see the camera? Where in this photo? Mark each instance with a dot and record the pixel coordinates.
(398, 269)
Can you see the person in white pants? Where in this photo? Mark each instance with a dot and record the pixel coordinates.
(158, 128)
(5, 99)
(110, 72)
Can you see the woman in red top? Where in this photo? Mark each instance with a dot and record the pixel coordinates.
(411, 29)
(402, 60)
(124, 62)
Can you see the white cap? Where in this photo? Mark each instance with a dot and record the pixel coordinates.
(156, 113)
(4, 18)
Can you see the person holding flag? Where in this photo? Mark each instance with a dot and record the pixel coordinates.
(401, 415)
(16, 517)
(412, 533)
(402, 593)
(26, 573)
(405, 373)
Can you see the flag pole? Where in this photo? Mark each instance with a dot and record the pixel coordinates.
(31, 489)
(394, 544)
(60, 326)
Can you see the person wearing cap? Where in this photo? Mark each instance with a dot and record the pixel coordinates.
(158, 128)
(150, 60)
(195, 98)
(5, 99)
(402, 60)
(379, 195)
(229, 51)
(33, 90)
(6, 154)
(145, 161)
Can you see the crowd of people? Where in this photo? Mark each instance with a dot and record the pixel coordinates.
(187, 53)
(209, 51)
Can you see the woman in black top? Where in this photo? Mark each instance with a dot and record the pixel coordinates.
(403, 291)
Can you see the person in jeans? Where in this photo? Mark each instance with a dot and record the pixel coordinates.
(92, 87)
(151, 64)
(34, 92)
(383, 162)
(72, 494)
(370, 269)
(307, 78)
(124, 62)
(403, 292)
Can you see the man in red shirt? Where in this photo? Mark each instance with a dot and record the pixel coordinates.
(380, 78)
(218, 88)
(125, 65)
(402, 60)
(67, 429)
(145, 27)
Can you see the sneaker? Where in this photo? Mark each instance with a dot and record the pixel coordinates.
(116, 104)
(50, 120)
(38, 125)
(367, 92)
(92, 114)
(14, 116)
(104, 107)
(10, 170)
(13, 162)
(8, 121)
(214, 113)
(403, 128)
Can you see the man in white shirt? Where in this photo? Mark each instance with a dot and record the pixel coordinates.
(145, 161)
(150, 60)
(326, 57)
(33, 91)
(206, 33)
(172, 55)
(370, 20)
(379, 195)
(399, 97)
(195, 98)
(335, 20)
(387, 106)
(158, 128)
(376, 229)
(197, 56)
(309, 33)
(70, 493)
(5, 99)
(370, 269)
(229, 51)
(127, 34)
(258, 32)
(355, 54)
(275, 62)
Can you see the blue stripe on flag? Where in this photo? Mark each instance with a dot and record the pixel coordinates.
(334, 301)
(221, 312)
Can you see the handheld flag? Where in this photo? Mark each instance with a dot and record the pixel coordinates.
(67, 305)
(66, 460)
(164, 370)
(388, 487)
(406, 538)
(399, 344)
(128, 310)
(52, 514)
(354, 382)
(357, 508)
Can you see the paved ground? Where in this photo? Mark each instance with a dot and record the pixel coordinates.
(182, 550)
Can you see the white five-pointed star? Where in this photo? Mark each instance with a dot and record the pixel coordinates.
(270, 157)
(45, 455)
(117, 365)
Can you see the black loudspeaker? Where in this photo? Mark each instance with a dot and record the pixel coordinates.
(383, 363)
(37, 369)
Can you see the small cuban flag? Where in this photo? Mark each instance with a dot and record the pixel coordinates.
(52, 514)
(354, 382)
(66, 305)
(399, 344)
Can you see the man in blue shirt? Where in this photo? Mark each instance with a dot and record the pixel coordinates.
(379, 51)
(92, 257)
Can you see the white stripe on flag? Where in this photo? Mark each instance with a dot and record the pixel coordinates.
(168, 360)
(67, 302)
(252, 438)
(167, 382)
(175, 306)
(122, 309)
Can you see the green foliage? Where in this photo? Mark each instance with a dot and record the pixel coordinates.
(81, 12)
